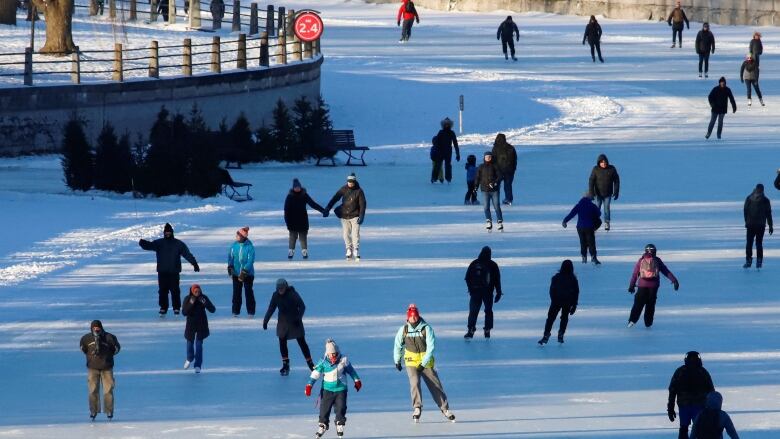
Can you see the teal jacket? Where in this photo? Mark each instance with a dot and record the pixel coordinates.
(415, 348)
(242, 257)
(333, 375)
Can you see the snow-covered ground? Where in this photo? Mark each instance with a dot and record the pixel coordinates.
(66, 259)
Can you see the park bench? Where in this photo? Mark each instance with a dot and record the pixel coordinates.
(234, 190)
(341, 140)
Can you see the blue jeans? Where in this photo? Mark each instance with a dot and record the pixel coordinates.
(492, 197)
(507, 180)
(606, 201)
(688, 413)
(713, 118)
(195, 351)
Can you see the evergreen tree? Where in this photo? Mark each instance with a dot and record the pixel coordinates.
(283, 132)
(164, 169)
(202, 158)
(306, 137)
(320, 125)
(265, 146)
(240, 139)
(113, 161)
(77, 158)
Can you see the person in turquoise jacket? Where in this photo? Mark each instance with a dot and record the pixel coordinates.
(241, 268)
(415, 343)
(333, 369)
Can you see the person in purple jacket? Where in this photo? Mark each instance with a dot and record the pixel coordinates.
(588, 220)
(647, 270)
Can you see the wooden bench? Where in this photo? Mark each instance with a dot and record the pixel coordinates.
(342, 140)
(234, 190)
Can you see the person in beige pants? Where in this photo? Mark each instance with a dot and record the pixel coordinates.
(100, 347)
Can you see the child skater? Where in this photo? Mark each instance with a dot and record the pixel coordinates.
(332, 368)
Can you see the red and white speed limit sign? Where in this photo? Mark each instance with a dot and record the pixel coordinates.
(308, 26)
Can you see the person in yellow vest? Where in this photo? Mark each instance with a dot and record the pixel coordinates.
(415, 343)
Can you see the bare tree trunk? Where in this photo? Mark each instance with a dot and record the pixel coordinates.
(8, 12)
(59, 38)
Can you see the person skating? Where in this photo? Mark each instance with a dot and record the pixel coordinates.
(705, 45)
(564, 297)
(604, 183)
(351, 211)
(593, 35)
(758, 215)
(588, 220)
(676, 20)
(756, 48)
(488, 178)
(482, 278)
(647, 271)
(100, 347)
(505, 157)
(444, 142)
(408, 12)
(748, 74)
(506, 30)
(197, 329)
(241, 269)
(690, 385)
(169, 252)
(334, 369)
(777, 180)
(711, 422)
(415, 343)
(719, 99)
(471, 177)
(437, 173)
(289, 322)
(297, 219)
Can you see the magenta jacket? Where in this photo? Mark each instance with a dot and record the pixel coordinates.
(651, 283)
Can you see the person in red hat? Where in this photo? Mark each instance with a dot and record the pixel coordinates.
(241, 268)
(195, 306)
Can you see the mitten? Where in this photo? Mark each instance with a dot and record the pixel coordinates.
(615, 197)
(192, 300)
(360, 220)
(231, 273)
(418, 22)
(497, 37)
(457, 157)
(563, 224)
(398, 366)
(358, 385)
(202, 300)
(308, 390)
(771, 230)
(676, 285)
(196, 267)
(242, 276)
(498, 297)
(265, 326)
(631, 289)
(572, 310)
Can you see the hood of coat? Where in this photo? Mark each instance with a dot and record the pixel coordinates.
(692, 359)
(96, 324)
(485, 254)
(500, 140)
(602, 158)
(714, 401)
(758, 193)
(168, 228)
(567, 267)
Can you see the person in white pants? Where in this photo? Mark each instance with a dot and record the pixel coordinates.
(352, 211)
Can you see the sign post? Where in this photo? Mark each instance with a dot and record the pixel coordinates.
(308, 25)
(460, 115)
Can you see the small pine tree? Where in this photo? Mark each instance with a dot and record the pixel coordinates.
(165, 165)
(283, 132)
(320, 125)
(240, 136)
(202, 158)
(306, 138)
(77, 158)
(113, 161)
(265, 146)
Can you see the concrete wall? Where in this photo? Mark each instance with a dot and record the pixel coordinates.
(31, 118)
(750, 12)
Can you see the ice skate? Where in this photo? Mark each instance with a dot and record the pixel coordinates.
(290, 253)
(163, 312)
(500, 226)
(197, 370)
(759, 263)
(750, 102)
(584, 259)
(305, 254)
(469, 334)
(356, 256)
(448, 414)
(630, 324)
(349, 254)
(514, 59)
(606, 226)
(699, 74)
(748, 263)
(506, 57)
(487, 333)
(285, 370)
(543, 341)
(560, 338)
(416, 415)
(321, 429)
(187, 364)
(92, 416)
(673, 45)
(595, 261)
(489, 225)
(706, 75)
(761, 100)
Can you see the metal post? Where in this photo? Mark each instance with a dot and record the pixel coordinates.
(216, 61)
(264, 49)
(460, 115)
(269, 20)
(154, 60)
(32, 29)
(236, 16)
(118, 67)
(133, 10)
(186, 68)
(241, 54)
(28, 65)
(75, 66)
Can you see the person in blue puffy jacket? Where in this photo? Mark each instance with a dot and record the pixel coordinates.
(588, 220)
(241, 260)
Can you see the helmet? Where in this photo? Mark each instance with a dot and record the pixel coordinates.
(446, 123)
(650, 248)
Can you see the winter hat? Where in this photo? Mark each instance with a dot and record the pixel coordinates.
(331, 347)
(722, 79)
(281, 283)
(757, 34)
(243, 232)
(351, 177)
(567, 267)
(706, 25)
(446, 123)
(168, 228)
(692, 358)
(412, 311)
(749, 56)
(760, 188)
(96, 324)
(650, 248)
(488, 154)
(195, 287)
(296, 183)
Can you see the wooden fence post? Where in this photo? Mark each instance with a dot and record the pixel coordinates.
(264, 49)
(92, 7)
(171, 11)
(315, 47)
(133, 10)
(280, 25)
(112, 8)
(269, 20)
(194, 14)
(28, 66)
(236, 16)
(282, 43)
(153, 11)
(186, 67)
(75, 66)
(241, 54)
(216, 56)
(307, 53)
(154, 60)
(253, 19)
(118, 67)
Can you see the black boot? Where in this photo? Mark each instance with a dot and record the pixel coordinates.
(748, 263)
(285, 370)
(469, 333)
(683, 434)
(759, 262)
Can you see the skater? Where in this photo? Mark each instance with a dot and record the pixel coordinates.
(712, 420)
(195, 306)
(777, 180)
(758, 215)
(588, 220)
(505, 156)
(297, 219)
(719, 99)
(482, 278)
(757, 49)
(100, 347)
(564, 297)
(488, 179)
(593, 35)
(604, 183)
(241, 269)
(676, 20)
(748, 74)
(351, 211)
(333, 368)
(289, 322)
(444, 141)
(690, 385)
(437, 173)
(163, 9)
(471, 177)
(506, 30)
(415, 343)
(705, 44)
(647, 269)
(409, 14)
(169, 251)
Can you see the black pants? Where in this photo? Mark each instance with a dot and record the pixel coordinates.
(475, 303)
(713, 118)
(587, 241)
(757, 234)
(644, 298)
(677, 33)
(445, 163)
(248, 291)
(471, 192)
(552, 313)
(301, 342)
(406, 30)
(597, 48)
(704, 58)
(754, 83)
(508, 42)
(169, 282)
(336, 401)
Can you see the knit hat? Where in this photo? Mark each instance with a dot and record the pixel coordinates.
(488, 153)
(243, 232)
(281, 283)
(331, 347)
(168, 228)
(722, 79)
(706, 24)
(194, 287)
(412, 311)
(351, 177)
(760, 188)
(296, 183)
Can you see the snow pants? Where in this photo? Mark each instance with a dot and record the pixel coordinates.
(644, 298)
(301, 342)
(704, 58)
(95, 379)
(471, 193)
(351, 232)
(298, 236)
(606, 201)
(475, 303)
(508, 42)
(757, 234)
(337, 401)
(246, 285)
(169, 282)
(594, 49)
(406, 30)
(552, 313)
(587, 241)
(492, 197)
(754, 84)
(195, 351)
(713, 118)
(433, 383)
(506, 180)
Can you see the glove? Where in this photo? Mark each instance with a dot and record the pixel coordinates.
(360, 220)
(676, 285)
(457, 157)
(564, 224)
(242, 276)
(265, 326)
(615, 197)
(358, 385)
(771, 230)
(142, 242)
(398, 366)
(196, 267)
(572, 310)
(308, 390)
(672, 415)
(497, 37)
(231, 273)
(420, 368)
(399, 23)
(631, 289)
(202, 300)
(498, 297)
(583, 42)
(418, 20)
(325, 214)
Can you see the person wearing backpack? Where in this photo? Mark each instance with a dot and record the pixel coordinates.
(506, 161)
(409, 14)
(690, 385)
(647, 270)
(748, 74)
(676, 20)
(564, 296)
(758, 214)
(482, 278)
(588, 220)
(712, 420)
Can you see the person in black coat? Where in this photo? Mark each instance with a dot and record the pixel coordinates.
(169, 251)
(777, 180)
(705, 44)
(757, 49)
(604, 184)
(351, 211)
(100, 347)
(588, 220)
(443, 143)
(564, 297)
(690, 385)
(593, 35)
(488, 180)
(297, 219)
(505, 158)
(758, 214)
(506, 30)
(197, 329)
(289, 322)
(719, 99)
(482, 278)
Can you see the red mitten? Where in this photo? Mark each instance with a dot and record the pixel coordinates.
(358, 385)
(308, 390)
